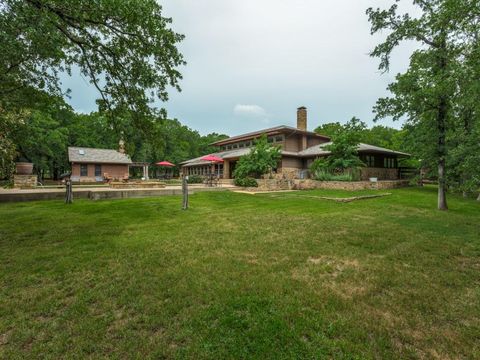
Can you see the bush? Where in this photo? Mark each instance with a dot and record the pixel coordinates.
(261, 160)
(322, 175)
(195, 179)
(246, 182)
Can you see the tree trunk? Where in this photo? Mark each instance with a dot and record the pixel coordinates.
(442, 191)
(442, 133)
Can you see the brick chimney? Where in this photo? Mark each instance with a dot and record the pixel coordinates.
(121, 146)
(302, 118)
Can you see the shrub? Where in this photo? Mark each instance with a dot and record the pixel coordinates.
(323, 175)
(261, 160)
(246, 182)
(195, 179)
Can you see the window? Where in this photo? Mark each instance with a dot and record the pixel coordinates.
(270, 139)
(370, 161)
(229, 147)
(389, 163)
(279, 138)
(83, 170)
(235, 146)
(98, 170)
(241, 145)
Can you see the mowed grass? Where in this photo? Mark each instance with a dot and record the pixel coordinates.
(241, 276)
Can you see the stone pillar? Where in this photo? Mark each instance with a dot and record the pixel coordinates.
(226, 169)
(146, 173)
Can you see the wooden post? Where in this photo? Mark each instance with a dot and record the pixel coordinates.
(185, 192)
(68, 191)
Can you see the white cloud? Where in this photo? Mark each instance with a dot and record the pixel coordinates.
(249, 110)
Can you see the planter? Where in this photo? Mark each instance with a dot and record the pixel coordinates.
(24, 168)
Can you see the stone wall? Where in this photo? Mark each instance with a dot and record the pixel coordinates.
(274, 184)
(25, 181)
(348, 185)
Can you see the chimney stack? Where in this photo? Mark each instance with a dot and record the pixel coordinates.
(121, 146)
(302, 118)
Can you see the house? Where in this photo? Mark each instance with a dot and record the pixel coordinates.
(93, 165)
(299, 148)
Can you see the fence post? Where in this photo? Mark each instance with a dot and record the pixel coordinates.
(68, 191)
(185, 192)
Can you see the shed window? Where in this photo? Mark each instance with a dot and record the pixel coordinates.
(83, 170)
(98, 170)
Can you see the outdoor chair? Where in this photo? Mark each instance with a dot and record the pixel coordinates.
(107, 178)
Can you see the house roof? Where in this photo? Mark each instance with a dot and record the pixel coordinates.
(276, 129)
(318, 150)
(100, 156)
(229, 154)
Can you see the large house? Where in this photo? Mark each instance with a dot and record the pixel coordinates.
(95, 165)
(300, 148)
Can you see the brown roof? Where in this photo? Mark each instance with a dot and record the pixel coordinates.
(99, 156)
(273, 130)
(365, 148)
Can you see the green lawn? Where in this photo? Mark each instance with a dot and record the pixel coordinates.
(241, 276)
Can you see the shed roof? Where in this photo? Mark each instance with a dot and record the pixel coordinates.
(100, 156)
(229, 154)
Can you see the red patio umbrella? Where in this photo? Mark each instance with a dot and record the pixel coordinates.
(212, 158)
(165, 163)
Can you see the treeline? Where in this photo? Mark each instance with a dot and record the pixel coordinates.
(42, 134)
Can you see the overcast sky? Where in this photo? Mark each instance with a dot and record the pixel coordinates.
(251, 63)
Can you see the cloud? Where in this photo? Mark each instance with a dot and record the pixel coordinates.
(249, 110)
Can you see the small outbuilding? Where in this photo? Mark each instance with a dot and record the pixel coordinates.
(98, 165)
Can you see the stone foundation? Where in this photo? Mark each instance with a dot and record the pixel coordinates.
(137, 185)
(349, 185)
(25, 181)
(308, 184)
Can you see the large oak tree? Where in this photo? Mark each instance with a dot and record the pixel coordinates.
(125, 48)
(428, 92)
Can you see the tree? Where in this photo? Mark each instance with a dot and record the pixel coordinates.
(329, 129)
(124, 47)
(426, 91)
(343, 151)
(262, 159)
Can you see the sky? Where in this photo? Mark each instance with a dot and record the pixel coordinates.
(251, 63)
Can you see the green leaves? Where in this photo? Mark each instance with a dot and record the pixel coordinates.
(262, 159)
(438, 86)
(125, 48)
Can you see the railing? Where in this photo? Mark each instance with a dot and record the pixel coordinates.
(407, 172)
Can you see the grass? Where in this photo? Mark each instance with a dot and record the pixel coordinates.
(241, 276)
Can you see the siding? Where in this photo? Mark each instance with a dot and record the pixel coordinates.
(292, 163)
(117, 171)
